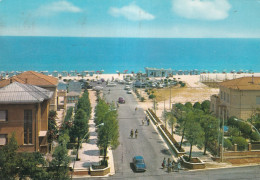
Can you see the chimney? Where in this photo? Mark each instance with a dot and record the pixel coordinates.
(11, 81)
(26, 80)
(252, 79)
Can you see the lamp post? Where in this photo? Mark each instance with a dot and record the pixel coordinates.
(101, 124)
(249, 124)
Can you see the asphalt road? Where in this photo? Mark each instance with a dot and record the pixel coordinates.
(151, 146)
(148, 144)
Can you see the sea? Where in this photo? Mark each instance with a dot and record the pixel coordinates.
(128, 54)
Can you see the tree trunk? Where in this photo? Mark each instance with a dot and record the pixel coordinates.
(206, 144)
(182, 136)
(190, 151)
(105, 153)
(77, 157)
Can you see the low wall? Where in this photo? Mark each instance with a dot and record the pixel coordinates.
(170, 140)
(241, 153)
(196, 165)
(81, 172)
(99, 172)
(176, 151)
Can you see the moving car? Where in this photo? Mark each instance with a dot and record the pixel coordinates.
(121, 100)
(139, 164)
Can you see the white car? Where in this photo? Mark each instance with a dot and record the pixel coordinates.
(129, 92)
(111, 84)
(127, 87)
(98, 88)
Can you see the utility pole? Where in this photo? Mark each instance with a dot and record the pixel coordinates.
(170, 98)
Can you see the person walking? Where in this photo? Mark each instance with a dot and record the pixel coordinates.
(148, 122)
(142, 122)
(136, 132)
(131, 133)
(169, 165)
(164, 163)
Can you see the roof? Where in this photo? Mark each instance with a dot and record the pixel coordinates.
(155, 69)
(243, 83)
(17, 93)
(33, 78)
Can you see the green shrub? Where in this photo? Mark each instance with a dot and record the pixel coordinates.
(241, 143)
(227, 144)
(142, 99)
(151, 96)
(255, 136)
(146, 90)
(245, 129)
(183, 84)
(233, 131)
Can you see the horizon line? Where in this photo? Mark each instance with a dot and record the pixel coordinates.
(130, 37)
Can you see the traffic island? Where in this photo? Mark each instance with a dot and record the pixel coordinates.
(99, 170)
(194, 163)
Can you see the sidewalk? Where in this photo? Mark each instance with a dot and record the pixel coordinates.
(89, 153)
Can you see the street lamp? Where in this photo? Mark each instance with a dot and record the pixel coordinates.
(101, 124)
(249, 124)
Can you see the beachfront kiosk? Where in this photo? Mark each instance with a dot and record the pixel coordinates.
(153, 72)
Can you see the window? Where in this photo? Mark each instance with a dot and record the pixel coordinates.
(27, 126)
(224, 96)
(3, 115)
(258, 100)
(221, 95)
(227, 97)
(3, 139)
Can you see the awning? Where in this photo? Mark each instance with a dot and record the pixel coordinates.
(42, 133)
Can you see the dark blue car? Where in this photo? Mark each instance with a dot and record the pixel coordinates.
(139, 164)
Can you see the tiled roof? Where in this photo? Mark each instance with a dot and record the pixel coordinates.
(16, 93)
(33, 78)
(243, 83)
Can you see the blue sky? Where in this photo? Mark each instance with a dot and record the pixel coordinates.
(129, 18)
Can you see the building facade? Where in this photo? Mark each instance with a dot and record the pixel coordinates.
(153, 72)
(24, 111)
(238, 97)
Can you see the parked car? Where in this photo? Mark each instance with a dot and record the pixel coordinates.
(121, 100)
(127, 87)
(111, 84)
(129, 92)
(139, 164)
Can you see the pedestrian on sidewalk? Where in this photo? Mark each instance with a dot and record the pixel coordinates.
(148, 122)
(142, 122)
(164, 163)
(136, 132)
(169, 165)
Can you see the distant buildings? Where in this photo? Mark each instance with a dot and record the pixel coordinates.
(24, 110)
(238, 97)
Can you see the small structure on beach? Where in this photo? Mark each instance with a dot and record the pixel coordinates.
(154, 72)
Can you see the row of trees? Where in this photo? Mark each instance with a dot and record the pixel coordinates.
(106, 119)
(76, 127)
(33, 165)
(195, 123)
